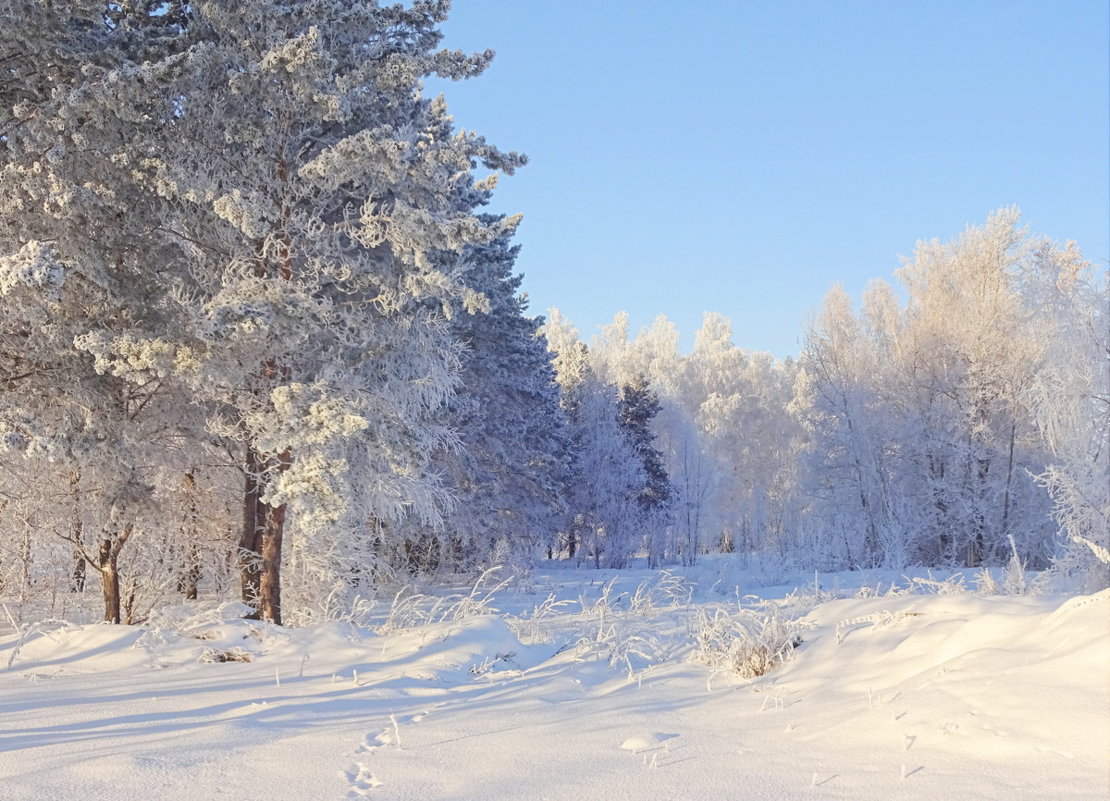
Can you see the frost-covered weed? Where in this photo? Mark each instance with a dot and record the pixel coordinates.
(878, 620)
(602, 606)
(807, 597)
(618, 632)
(225, 655)
(663, 590)
(535, 627)
(407, 611)
(479, 601)
(41, 627)
(1014, 578)
(893, 590)
(615, 641)
(358, 611)
(953, 585)
(749, 642)
(411, 609)
(985, 583)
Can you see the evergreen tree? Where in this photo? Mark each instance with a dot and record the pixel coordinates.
(637, 409)
(508, 475)
(300, 201)
(75, 258)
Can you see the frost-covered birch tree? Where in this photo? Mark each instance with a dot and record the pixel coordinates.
(925, 418)
(842, 408)
(1070, 399)
(607, 471)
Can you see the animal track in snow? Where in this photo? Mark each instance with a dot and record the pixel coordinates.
(361, 781)
(373, 742)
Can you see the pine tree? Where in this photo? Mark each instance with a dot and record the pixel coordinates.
(637, 408)
(301, 200)
(73, 260)
(508, 475)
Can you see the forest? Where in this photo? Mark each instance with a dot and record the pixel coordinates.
(261, 339)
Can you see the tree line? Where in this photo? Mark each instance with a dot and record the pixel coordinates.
(957, 419)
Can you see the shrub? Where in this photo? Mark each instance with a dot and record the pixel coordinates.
(749, 642)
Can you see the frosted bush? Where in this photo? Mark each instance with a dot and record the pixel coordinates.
(750, 642)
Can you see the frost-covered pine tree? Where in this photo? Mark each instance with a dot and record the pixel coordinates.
(637, 408)
(88, 450)
(300, 200)
(508, 474)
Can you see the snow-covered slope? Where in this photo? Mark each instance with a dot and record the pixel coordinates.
(895, 696)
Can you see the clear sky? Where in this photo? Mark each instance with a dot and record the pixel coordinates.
(741, 156)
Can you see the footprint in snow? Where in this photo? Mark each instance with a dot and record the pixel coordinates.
(361, 780)
(372, 742)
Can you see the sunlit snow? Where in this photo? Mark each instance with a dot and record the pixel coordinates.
(579, 686)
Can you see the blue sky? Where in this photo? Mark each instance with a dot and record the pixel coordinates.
(741, 157)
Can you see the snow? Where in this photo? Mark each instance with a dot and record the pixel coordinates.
(578, 688)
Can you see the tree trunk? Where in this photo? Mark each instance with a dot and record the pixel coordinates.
(108, 567)
(189, 583)
(190, 576)
(77, 578)
(264, 525)
(269, 595)
(261, 539)
(1004, 528)
(250, 540)
(109, 577)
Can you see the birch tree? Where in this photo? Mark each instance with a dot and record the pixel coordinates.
(1070, 399)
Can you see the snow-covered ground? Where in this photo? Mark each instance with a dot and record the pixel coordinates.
(583, 687)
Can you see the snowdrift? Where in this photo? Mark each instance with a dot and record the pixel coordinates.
(591, 694)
